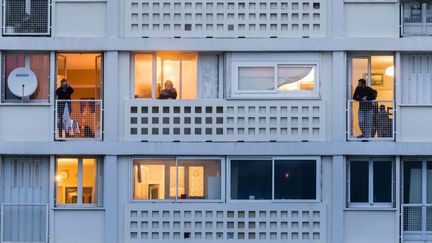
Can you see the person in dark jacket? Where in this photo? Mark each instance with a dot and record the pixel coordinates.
(169, 92)
(364, 95)
(63, 94)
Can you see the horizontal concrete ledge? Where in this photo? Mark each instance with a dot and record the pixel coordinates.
(217, 44)
(213, 148)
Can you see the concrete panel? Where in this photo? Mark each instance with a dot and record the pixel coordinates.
(371, 19)
(25, 123)
(370, 227)
(80, 19)
(415, 124)
(85, 226)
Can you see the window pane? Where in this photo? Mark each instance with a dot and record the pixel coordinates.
(201, 179)
(89, 181)
(412, 182)
(38, 63)
(168, 78)
(382, 181)
(189, 77)
(292, 78)
(67, 181)
(143, 75)
(256, 78)
(295, 179)
(154, 179)
(251, 179)
(429, 182)
(359, 172)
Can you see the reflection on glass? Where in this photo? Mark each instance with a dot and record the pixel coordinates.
(199, 179)
(382, 181)
(359, 181)
(295, 179)
(251, 179)
(413, 182)
(256, 78)
(67, 181)
(143, 75)
(153, 179)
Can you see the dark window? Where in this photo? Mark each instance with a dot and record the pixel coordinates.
(251, 179)
(359, 171)
(295, 179)
(382, 183)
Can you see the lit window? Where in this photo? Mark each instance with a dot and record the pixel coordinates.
(77, 181)
(273, 80)
(274, 179)
(165, 76)
(34, 66)
(182, 179)
(370, 183)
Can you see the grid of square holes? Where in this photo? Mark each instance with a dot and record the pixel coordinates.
(224, 223)
(188, 121)
(229, 18)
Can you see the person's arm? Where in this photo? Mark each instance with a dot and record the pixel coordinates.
(174, 93)
(356, 95)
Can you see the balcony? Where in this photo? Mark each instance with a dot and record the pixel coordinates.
(371, 120)
(416, 18)
(417, 222)
(78, 120)
(224, 120)
(210, 222)
(26, 17)
(232, 18)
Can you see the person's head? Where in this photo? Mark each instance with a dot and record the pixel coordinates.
(64, 83)
(382, 107)
(362, 83)
(168, 84)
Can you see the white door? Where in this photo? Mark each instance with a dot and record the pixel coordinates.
(25, 199)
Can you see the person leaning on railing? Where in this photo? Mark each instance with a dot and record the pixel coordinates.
(63, 94)
(364, 95)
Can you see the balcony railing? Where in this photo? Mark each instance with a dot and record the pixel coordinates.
(230, 18)
(417, 222)
(371, 120)
(78, 119)
(224, 120)
(24, 223)
(26, 17)
(216, 222)
(417, 18)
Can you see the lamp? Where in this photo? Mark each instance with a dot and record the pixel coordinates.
(389, 71)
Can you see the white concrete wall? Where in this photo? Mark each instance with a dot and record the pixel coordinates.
(415, 124)
(79, 19)
(373, 226)
(83, 226)
(371, 19)
(26, 123)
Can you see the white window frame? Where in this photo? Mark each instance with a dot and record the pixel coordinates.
(99, 184)
(3, 86)
(275, 94)
(318, 186)
(154, 74)
(177, 199)
(371, 202)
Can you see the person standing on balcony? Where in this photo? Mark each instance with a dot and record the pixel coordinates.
(365, 95)
(63, 94)
(169, 92)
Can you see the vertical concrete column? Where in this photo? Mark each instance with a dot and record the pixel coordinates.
(112, 18)
(111, 100)
(338, 18)
(110, 199)
(338, 102)
(338, 199)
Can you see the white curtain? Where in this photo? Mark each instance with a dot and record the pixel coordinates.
(415, 189)
(290, 74)
(209, 75)
(256, 78)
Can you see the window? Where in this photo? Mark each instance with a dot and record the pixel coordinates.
(275, 79)
(370, 183)
(37, 65)
(79, 182)
(177, 179)
(274, 179)
(165, 76)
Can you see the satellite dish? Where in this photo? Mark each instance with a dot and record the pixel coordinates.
(22, 82)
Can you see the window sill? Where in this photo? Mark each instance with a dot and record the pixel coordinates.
(371, 209)
(25, 104)
(265, 97)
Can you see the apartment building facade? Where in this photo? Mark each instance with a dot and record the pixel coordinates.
(263, 140)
